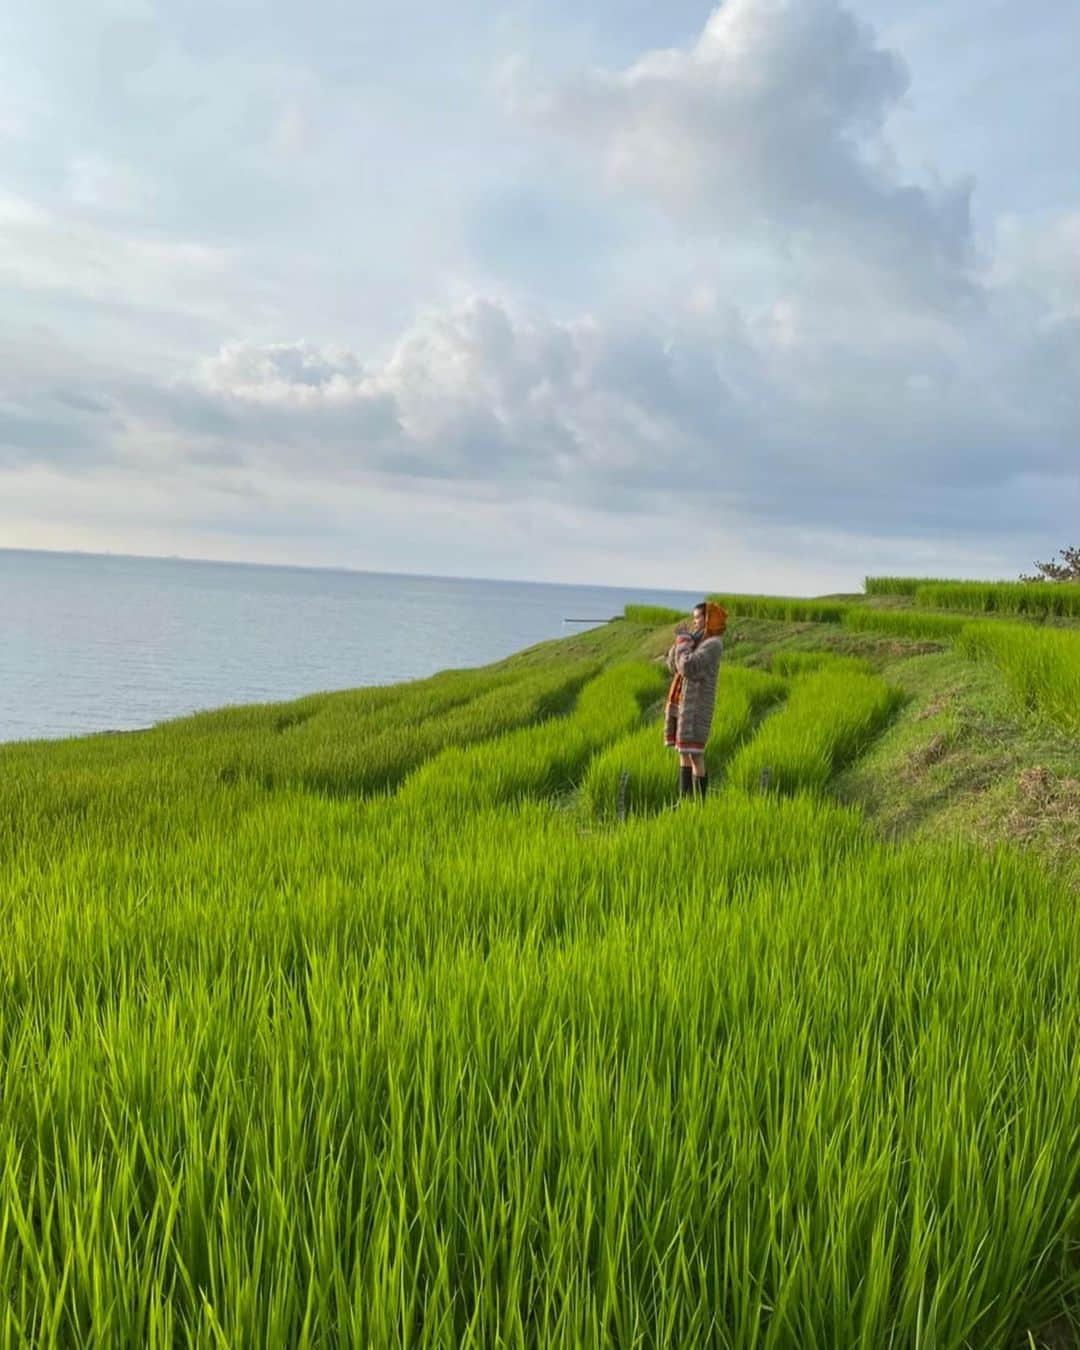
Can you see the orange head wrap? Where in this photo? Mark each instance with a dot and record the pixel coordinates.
(715, 619)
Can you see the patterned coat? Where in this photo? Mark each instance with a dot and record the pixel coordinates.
(700, 668)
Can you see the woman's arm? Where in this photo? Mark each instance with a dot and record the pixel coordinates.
(692, 664)
(682, 636)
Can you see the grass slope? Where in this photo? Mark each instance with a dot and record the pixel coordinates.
(961, 759)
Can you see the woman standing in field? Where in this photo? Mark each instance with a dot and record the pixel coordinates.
(694, 661)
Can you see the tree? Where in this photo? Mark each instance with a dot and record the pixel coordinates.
(1066, 570)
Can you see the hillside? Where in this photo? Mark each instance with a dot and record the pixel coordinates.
(960, 760)
(414, 1016)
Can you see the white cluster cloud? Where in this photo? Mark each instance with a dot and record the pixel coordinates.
(476, 392)
(297, 374)
(773, 122)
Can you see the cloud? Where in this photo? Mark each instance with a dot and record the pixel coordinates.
(765, 423)
(290, 373)
(773, 121)
(800, 344)
(482, 393)
(55, 428)
(44, 252)
(1039, 256)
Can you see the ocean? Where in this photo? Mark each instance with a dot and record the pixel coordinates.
(105, 643)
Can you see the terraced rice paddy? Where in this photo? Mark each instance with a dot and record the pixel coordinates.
(1003, 597)
(780, 607)
(365, 1021)
(910, 623)
(1042, 666)
(900, 585)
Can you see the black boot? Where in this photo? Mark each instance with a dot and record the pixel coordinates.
(686, 781)
(701, 787)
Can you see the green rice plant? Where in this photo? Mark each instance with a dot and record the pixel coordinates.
(443, 1067)
(1041, 666)
(650, 766)
(540, 760)
(782, 608)
(1043, 598)
(166, 781)
(910, 623)
(653, 615)
(491, 1081)
(900, 585)
(802, 663)
(206, 744)
(828, 719)
(359, 763)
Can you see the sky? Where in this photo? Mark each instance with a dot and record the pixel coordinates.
(760, 297)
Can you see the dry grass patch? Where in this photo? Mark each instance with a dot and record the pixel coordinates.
(1046, 802)
(935, 749)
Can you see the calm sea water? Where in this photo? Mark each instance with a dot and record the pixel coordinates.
(93, 643)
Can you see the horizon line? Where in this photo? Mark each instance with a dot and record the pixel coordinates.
(323, 567)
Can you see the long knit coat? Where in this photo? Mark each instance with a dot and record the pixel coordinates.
(700, 669)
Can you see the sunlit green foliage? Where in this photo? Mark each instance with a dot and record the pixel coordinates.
(651, 768)
(900, 585)
(539, 760)
(909, 623)
(828, 718)
(654, 614)
(459, 1064)
(343, 745)
(1042, 666)
(1060, 598)
(782, 607)
(802, 663)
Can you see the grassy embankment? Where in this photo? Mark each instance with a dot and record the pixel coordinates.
(360, 1020)
(985, 749)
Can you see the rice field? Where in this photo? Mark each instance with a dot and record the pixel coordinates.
(540, 760)
(900, 585)
(1042, 598)
(1041, 665)
(829, 717)
(781, 607)
(654, 615)
(305, 1047)
(910, 623)
(803, 662)
(650, 768)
